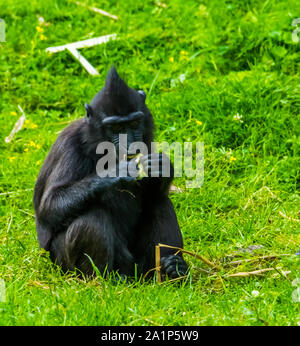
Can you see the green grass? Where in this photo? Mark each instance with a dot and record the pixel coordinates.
(237, 57)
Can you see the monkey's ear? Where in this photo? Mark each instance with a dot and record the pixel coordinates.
(143, 94)
(89, 111)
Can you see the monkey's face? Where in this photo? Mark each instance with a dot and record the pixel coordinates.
(120, 129)
(124, 130)
(119, 110)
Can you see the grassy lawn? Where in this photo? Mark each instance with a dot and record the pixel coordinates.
(225, 73)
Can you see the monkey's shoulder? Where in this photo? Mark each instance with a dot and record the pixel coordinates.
(66, 156)
(70, 137)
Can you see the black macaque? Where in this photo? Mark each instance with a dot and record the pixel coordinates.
(115, 221)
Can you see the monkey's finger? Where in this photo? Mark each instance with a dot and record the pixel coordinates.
(175, 271)
(167, 260)
(174, 263)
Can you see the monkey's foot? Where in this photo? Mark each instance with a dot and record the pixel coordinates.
(174, 266)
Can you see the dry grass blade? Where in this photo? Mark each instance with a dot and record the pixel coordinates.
(37, 284)
(287, 217)
(255, 272)
(250, 200)
(14, 192)
(149, 271)
(283, 273)
(261, 258)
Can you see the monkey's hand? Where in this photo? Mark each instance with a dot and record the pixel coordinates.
(174, 266)
(157, 165)
(159, 172)
(123, 171)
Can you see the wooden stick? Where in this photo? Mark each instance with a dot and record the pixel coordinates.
(255, 272)
(157, 262)
(192, 254)
(149, 271)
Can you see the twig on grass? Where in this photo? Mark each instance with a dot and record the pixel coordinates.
(255, 272)
(98, 10)
(192, 254)
(258, 272)
(287, 217)
(157, 262)
(261, 258)
(18, 126)
(26, 212)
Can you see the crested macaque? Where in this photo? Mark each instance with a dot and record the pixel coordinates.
(115, 221)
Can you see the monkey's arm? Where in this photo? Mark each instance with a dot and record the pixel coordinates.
(61, 203)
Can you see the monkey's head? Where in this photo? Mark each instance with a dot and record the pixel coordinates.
(118, 109)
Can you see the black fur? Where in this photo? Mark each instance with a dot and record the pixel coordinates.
(115, 221)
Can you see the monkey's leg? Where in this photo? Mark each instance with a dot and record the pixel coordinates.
(161, 226)
(91, 234)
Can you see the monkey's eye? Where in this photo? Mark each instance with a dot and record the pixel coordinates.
(116, 128)
(143, 94)
(134, 124)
